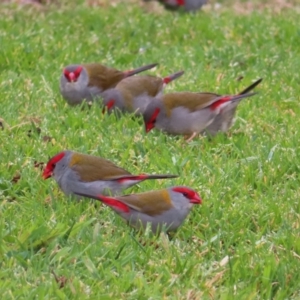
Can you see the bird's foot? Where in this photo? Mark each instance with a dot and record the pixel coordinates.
(189, 138)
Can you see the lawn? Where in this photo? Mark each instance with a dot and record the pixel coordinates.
(241, 243)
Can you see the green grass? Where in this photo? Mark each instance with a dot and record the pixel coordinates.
(242, 243)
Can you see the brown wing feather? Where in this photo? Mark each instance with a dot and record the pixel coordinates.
(192, 101)
(141, 84)
(92, 168)
(102, 76)
(135, 86)
(149, 203)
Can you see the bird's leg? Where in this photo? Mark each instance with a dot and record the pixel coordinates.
(171, 235)
(188, 139)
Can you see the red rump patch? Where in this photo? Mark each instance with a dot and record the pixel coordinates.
(133, 177)
(114, 203)
(166, 80)
(219, 102)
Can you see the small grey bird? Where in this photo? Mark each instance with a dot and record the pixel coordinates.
(187, 113)
(166, 208)
(80, 173)
(87, 81)
(126, 95)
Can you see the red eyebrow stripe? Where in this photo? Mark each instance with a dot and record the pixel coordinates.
(112, 202)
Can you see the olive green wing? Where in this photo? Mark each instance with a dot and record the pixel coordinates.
(150, 203)
(96, 168)
(102, 76)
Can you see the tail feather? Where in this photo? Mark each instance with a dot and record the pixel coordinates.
(142, 177)
(172, 77)
(225, 99)
(139, 70)
(89, 196)
(241, 96)
(109, 201)
(158, 176)
(251, 87)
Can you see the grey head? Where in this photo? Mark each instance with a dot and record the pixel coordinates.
(74, 85)
(113, 100)
(62, 165)
(58, 168)
(141, 102)
(154, 113)
(183, 199)
(180, 199)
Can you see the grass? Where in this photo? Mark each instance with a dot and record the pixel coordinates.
(242, 243)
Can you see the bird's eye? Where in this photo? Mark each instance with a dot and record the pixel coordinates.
(53, 166)
(185, 195)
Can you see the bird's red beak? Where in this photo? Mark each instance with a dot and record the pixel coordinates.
(150, 124)
(72, 76)
(196, 199)
(109, 105)
(149, 127)
(47, 173)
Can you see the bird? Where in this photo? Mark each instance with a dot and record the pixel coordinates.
(225, 119)
(76, 172)
(187, 5)
(164, 209)
(79, 82)
(124, 97)
(187, 113)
